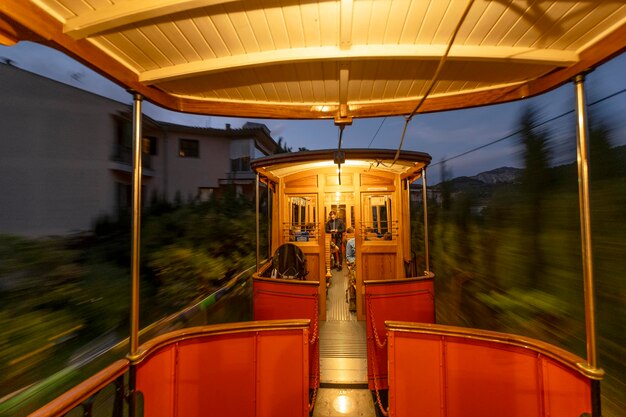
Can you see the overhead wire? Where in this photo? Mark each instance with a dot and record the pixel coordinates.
(510, 135)
(377, 130)
(435, 77)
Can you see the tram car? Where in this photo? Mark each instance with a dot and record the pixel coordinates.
(304, 352)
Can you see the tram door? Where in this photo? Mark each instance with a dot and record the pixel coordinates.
(343, 205)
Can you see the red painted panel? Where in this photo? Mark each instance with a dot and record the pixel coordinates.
(565, 393)
(155, 379)
(282, 299)
(405, 300)
(216, 374)
(416, 376)
(279, 299)
(247, 374)
(452, 376)
(280, 392)
(491, 380)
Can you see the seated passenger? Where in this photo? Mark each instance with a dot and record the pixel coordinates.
(350, 247)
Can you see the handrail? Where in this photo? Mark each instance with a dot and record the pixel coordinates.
(198, 304)
(158, 342)
(72, 398)
(287, 281)
(430, 275)
(564, 357)
(81, 392)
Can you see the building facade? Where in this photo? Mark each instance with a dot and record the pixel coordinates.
(66, 157)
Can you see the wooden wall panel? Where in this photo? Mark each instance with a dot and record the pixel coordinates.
(379, 266)
(368, 179)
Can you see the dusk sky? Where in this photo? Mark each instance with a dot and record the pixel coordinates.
(442, 135)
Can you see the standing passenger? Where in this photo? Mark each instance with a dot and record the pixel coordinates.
(336, 227)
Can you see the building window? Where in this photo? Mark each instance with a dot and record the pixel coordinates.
(188, 148)
(240, 164)
(149, 145)
(123, 151)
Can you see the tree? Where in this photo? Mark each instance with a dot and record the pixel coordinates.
(282, 146)
(535, 181)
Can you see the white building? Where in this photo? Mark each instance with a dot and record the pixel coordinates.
(65, 156)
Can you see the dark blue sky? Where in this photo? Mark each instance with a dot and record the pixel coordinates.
(443, 135)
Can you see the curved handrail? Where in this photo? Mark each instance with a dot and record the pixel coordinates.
(72, 398)
(286, 281)
(146, 349)
(429, 275)
(562, 356)
(198, 304)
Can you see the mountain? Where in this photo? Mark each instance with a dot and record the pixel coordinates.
(483, 184)
(499, 175)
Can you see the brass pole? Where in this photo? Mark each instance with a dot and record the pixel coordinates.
(407, 183)
(425, 198)
(585, 230)
(258, 237)
(269, 218)
(136, 225)
(136, 235)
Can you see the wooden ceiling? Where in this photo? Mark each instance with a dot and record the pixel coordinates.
(341, 59)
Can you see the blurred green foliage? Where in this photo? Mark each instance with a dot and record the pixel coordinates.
(65, 298)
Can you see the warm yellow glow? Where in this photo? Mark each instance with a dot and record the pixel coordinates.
(343, 404)
(285, 169)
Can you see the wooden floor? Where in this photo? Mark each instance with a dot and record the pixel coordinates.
(343, 350)
(343, 358)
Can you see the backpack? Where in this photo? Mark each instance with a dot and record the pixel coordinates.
(289, 262)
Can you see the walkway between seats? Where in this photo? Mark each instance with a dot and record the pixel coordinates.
(343, 358)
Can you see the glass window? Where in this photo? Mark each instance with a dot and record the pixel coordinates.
(376, 218)
(188, 148)
(240, 164)
(241, 151)
(149, 144)
(302, 225)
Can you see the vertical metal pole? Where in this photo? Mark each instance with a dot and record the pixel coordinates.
(425, 201)
(258, 237)
(269, 218)
(585, 229)
(407, 183)
(136, 235)
(136, 223)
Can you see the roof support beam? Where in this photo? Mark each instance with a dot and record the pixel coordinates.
(129, 11)
(345, 30)
(410, 52)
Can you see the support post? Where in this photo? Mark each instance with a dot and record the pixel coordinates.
(136, 241)
(585, 230)
(258, 237)
(425, 201)
(270, 220)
